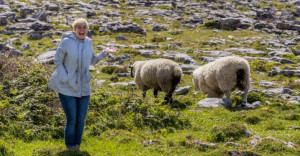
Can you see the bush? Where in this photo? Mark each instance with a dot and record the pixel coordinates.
(158, 39)
(254, 96)
(253, 120)
(228, 132)
(292, 116)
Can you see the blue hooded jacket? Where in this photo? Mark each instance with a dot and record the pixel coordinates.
(72, 60)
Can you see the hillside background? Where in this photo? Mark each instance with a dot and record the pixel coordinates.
(119, 121)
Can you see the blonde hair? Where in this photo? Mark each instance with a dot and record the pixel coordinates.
(79, 21)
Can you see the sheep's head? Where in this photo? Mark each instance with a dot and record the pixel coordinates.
(134, 66)
(131, 69)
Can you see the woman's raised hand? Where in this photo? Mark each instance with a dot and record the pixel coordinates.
(111, 49)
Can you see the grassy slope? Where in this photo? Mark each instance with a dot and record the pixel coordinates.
(274, 118)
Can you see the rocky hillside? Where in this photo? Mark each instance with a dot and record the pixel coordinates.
(193, 33)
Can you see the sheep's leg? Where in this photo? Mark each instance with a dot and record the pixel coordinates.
(228, 95)
(155, 93)
(144, 94)
(245, 96)
(168, 97)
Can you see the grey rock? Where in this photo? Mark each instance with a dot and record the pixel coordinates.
(115, 45)
(203, 144)
(247, 51)
(125, 57)
(91, 68)
(132, 83)
(119, 27)
(187, 67)
(18, 26)
(47, 57)
(266, 83)
(36, 26)
(121, 38)
(26, 10)
(100, 82)
(52, 7)
(242, 153)
(247, 106)
(233, 23)
(101, 47)
(159, 28)
(285, 72)
(28, 20)
(233, 144)
(264, 15)
(182, 90)
(15, 53)
(25, 46)
(283, 60)
(274, 91)
(137, 46)
(180, 56)
(2, 2)
(42, 16)
(214, 102)
(123, 74)
(148, 53)
(3, 20)
(11, 16)
(151, 46)
(215, 53)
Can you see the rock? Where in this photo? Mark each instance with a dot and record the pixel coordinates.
(264, 15)
(36, 26)
(285, 72)
(242, 153)
(233, 23)
(182, 90)
(15, 53)
(28, 20)
(283, 60)
(132, 83)
(247, 51)
(26, 10)
(150, 142)
(100, 82)
(180, 57)
(11, 16)
(47, 57)
(151, 46)
(125, 57)
(233, 144)
(3, 20)
(121, 38)
(116, 27)
(271, 92)
(25, 46)
(247, 106)
(42, 16)
(137, 46)
(148, 53)
(203, 144)
(123, 74)
(91, 68)
(287, 144)
(159, 28)
(214, 102)
(215, 53)
(18, 26)
(52, 7)
(266, 83)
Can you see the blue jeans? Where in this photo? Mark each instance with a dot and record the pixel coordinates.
(75, 110)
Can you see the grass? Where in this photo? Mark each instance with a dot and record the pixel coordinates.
(119, 121)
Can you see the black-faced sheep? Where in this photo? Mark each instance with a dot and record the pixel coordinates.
(223, 76)
(159, 74)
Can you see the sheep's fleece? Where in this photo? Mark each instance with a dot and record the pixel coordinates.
(160, 74)
(223, 75)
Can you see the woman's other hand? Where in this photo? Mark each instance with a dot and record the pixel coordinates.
(111, 49)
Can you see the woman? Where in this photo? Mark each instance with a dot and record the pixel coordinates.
(71, 79)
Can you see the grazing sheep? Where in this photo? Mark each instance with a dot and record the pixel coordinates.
(159, 74)
(223, 75)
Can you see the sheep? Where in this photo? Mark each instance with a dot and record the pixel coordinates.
(223, 76)
(159, 74)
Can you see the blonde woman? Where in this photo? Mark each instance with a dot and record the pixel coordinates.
(71, 78)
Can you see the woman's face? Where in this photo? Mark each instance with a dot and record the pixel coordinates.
(81, 31)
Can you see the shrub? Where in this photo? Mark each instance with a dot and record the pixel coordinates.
(158, 39)
(254, 96)
(292, 116)
(4, 151)
(253, 120)
(228, 132)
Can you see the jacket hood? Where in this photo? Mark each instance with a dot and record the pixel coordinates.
(69, 34)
